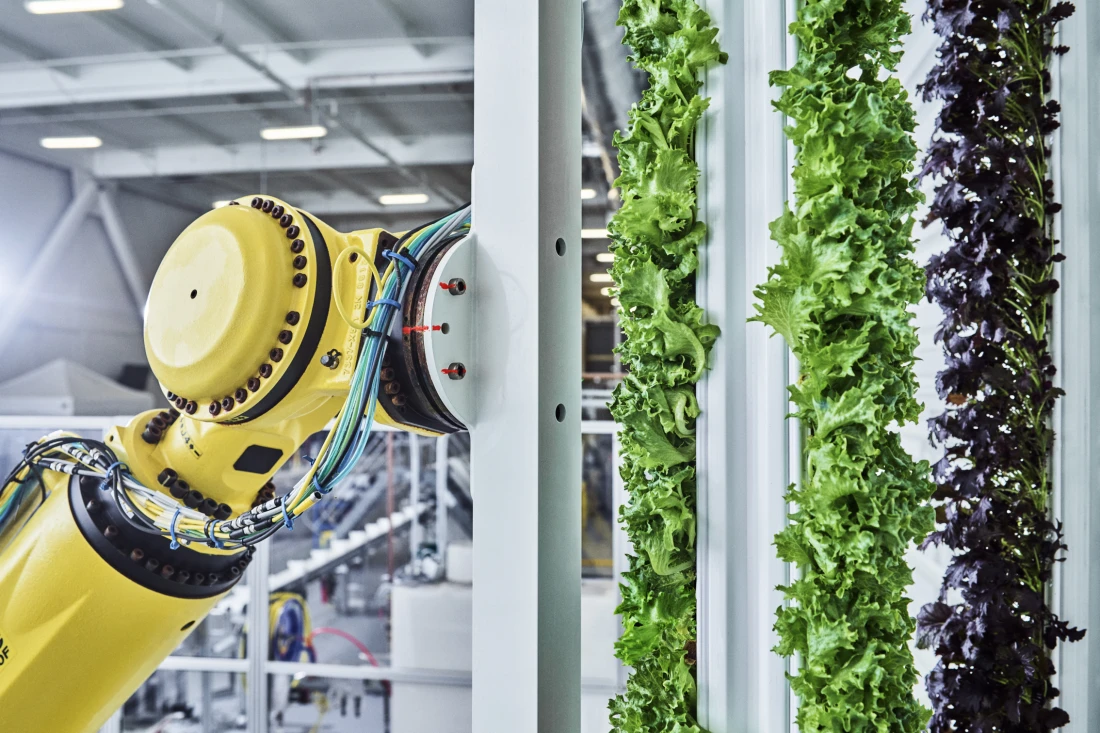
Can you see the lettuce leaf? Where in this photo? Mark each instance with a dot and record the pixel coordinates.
(656, 237)
(840, 296)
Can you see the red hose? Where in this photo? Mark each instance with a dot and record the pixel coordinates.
(327, 630)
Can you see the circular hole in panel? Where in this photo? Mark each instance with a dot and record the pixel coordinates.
(194, 294)
(559, 246)
(559, 413)
(187, 625)
(445, 328)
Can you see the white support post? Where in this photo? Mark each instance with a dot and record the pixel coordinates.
(442, 518)
(1077, 324)
(416, 530)
(34, 279)
(124, 251)
(743, 437)
(526, 452)
(258, 635)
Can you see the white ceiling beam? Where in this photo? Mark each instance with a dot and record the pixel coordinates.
(140, 37)
(377, 65)
(260, 21)
(349, 203)
(335, 153)
(31, 52)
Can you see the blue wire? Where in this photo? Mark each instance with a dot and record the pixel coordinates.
(172, 529)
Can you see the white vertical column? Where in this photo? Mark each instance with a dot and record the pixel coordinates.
(1077, 340)
(416, 530)
(526, 451)
(258, 636)
(743, 435)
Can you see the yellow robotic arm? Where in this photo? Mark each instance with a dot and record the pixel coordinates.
(263, 325)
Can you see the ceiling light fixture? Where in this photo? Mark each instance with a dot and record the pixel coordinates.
(605, 257)
(403, 199)
(52, 7)
(70, 143)
(587, 194)
(593, 234)
(601, 277)
(304, 132)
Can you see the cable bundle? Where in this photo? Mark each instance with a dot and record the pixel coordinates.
(158, 513)
(992, 627)
(840, 297)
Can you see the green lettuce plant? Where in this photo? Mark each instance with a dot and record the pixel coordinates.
(840, 298)
(655, 238)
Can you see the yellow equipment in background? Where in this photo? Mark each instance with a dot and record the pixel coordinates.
(252, 330)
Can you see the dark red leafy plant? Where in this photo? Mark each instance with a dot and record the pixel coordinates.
(992, 627)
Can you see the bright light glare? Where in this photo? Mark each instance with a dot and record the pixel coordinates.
(601, 277)
(305, 132)
(615, 302)
(403, 199)
(593, 234)
(219, 204)
(587, 194)
(605, 257)
(70, 143)
(50, 7)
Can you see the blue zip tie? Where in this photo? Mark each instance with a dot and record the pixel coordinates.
(172, 530)
(389, 254)
(384, 301)
(210, 533)
(106, 484)
(287, 520)
(317, 486)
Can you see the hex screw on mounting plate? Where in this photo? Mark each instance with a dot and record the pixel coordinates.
(455, 371)
(331, 359)
(456, 286)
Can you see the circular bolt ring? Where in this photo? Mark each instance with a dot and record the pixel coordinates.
(276, 355)
(393, 387)
(257, 202)
(297, 246)
(227, 403)
(299, 262)
(265, 370)
(455, 371)
(267, 206)
(285, 337)
(387, 374)
(293, 231)
(241, 394)
(353, 257)
(286, 221)
(215, 408)
(299, 280)
(191, 407)
(253, 384)
(293, 317)
(400, 400)
(277, 212)
(456, 286)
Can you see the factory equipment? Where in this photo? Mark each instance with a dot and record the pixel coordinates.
(263, 325)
